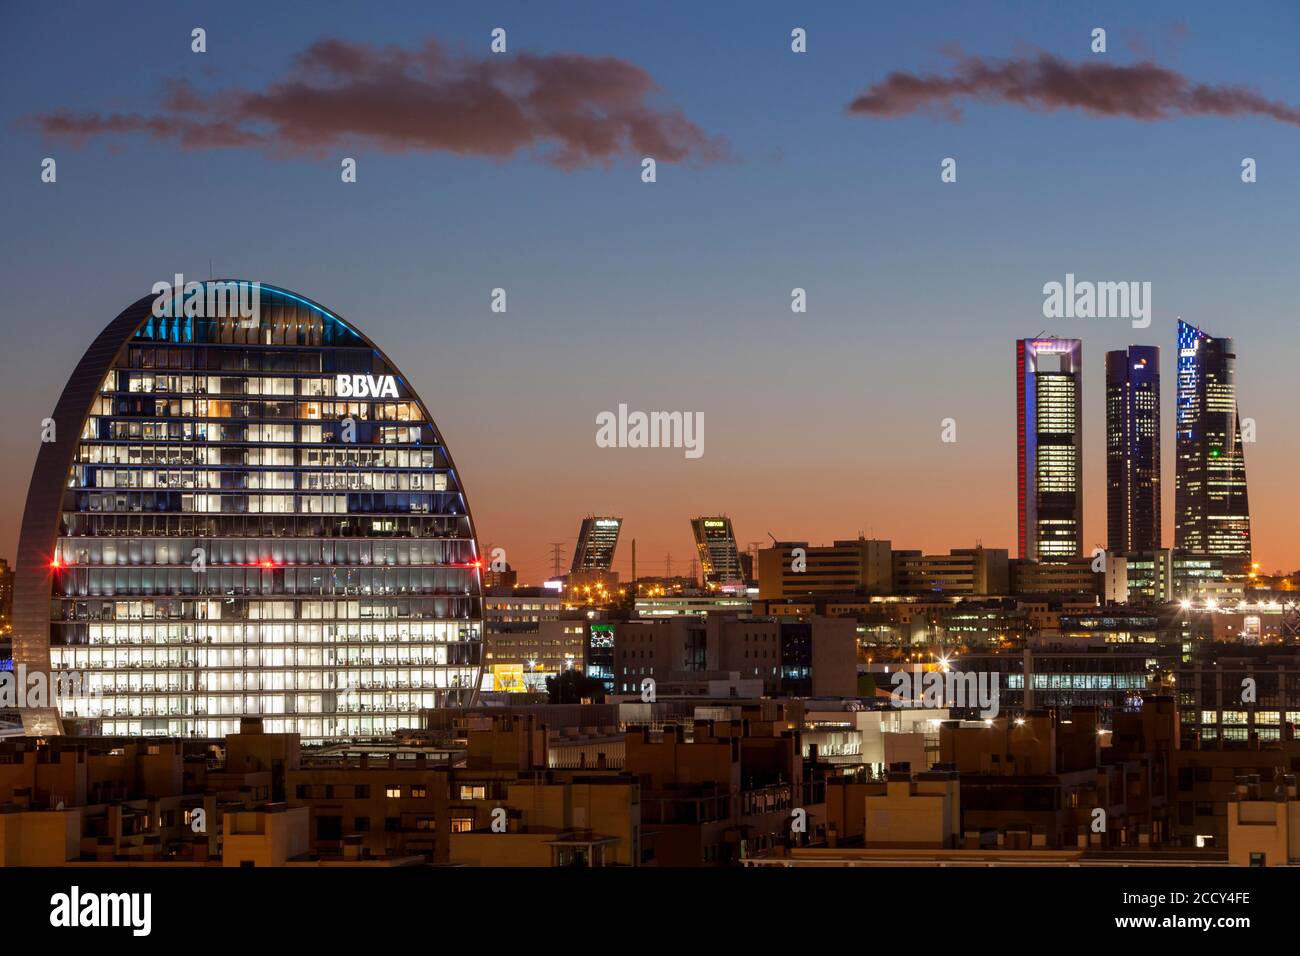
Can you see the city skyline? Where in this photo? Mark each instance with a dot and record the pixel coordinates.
(684, 310)
(605, 555)
(512, 438)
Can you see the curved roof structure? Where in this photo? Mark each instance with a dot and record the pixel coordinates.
(285, 324)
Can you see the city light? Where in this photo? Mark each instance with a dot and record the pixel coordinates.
(800, 676)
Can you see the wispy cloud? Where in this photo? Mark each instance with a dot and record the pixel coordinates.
(1143, 91)
(570, 110)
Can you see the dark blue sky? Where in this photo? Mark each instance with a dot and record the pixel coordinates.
(676, 295)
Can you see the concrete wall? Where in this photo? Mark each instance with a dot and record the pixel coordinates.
(39, 837)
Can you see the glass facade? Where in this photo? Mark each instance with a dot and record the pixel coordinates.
(597, 540)
(715, 540)
(1133, 449)
(1210, 701)
(1211, 503)
(1049, 447)
(262, 520)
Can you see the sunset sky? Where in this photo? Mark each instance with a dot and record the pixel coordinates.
(776, 170)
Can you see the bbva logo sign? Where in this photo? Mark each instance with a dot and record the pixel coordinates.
(365, 386)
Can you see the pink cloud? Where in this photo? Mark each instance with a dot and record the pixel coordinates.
(572, 110)
(1143, 91)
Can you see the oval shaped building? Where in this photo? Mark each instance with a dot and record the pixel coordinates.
(245, 510)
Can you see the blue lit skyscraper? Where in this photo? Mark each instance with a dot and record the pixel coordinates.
(1133, 449)
(1211, 507)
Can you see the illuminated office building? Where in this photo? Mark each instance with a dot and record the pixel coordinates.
(597, 539)
(1133, 449)
(715, 539)
(1211, 506)
(245, 516)
(852, 566)
(1049, 448)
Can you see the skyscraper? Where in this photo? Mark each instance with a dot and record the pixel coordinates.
(1049, 448)
(1133, 449)
(245, 516)
(715, 540)
(597, 539)
(1211, 507)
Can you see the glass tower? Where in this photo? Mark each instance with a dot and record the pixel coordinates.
(257, 517)
(715, 540)
(1049, 448)
(597, 539)
(1133, 449)
(1211, 505)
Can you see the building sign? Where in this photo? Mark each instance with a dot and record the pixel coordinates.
(365, 386)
